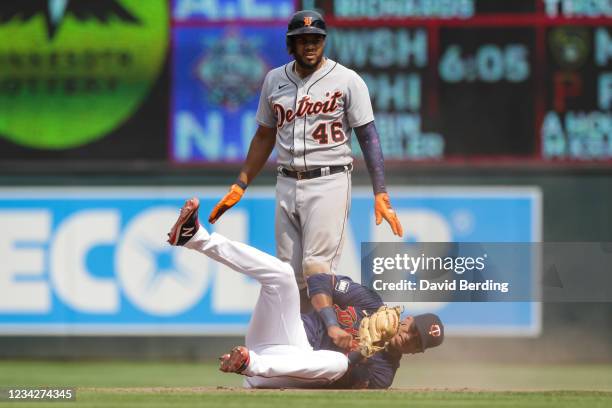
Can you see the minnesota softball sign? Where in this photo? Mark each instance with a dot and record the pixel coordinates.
(95, 260)
(75, 70)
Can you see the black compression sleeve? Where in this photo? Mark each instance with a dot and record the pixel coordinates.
(369, 141)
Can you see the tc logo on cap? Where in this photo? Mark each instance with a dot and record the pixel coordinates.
(307, 21)
(434, 330)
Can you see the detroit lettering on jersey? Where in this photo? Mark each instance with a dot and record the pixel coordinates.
(305, 107)
(314, 116)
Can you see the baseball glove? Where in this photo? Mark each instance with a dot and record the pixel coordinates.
(376, 330)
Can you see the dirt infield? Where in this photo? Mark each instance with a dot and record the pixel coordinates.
(233, 390)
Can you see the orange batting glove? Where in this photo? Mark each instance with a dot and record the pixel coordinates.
(383, 209)
(227, 202)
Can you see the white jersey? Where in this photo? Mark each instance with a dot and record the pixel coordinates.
(314, 116)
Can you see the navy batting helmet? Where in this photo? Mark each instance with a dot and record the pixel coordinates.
(306, 22)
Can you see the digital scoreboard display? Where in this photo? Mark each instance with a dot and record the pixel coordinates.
(473, 80)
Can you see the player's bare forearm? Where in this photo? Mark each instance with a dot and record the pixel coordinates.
(259, 151)
(321, 300)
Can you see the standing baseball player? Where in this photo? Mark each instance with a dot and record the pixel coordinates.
(286, 349)
(308, 109)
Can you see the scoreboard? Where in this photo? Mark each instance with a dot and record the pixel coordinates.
(451, 81)
(472, 80)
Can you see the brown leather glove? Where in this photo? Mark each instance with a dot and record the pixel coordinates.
(227, 202)
(383, 209)
(376, 330)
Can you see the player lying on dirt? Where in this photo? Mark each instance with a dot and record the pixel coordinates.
(286, 349)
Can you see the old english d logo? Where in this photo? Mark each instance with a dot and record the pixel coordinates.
(434, 330)
(307, 21)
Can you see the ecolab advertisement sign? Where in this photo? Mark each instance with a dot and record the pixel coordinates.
(94, 261)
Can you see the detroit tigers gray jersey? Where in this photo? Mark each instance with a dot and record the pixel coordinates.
(314, 116)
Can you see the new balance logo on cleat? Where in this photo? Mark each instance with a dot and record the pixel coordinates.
(187, 232)
(187, 223)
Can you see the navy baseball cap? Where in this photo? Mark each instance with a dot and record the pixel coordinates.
(431, 330)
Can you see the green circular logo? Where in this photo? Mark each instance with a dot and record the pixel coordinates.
(71, 71)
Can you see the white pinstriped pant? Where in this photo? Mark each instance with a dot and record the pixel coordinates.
(280, 355)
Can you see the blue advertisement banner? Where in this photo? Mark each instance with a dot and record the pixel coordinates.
(216, 80)
(85, 261)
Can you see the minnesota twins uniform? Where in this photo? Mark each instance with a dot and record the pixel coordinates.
(314, 118)
(289, 349)
(352, 302)
(279, 351)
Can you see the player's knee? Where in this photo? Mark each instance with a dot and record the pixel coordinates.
(318, 281)
(342, 364)
(311, 268)
(286, 276)
(338, 364)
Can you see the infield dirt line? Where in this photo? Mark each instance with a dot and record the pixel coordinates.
(222, 389)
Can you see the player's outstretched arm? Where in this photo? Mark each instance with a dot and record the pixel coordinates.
(259, 151)
(369, 141)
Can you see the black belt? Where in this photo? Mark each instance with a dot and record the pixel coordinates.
(310, 174)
